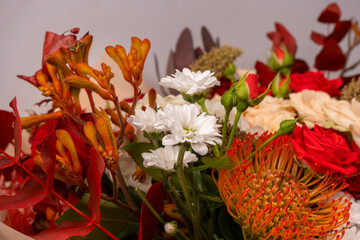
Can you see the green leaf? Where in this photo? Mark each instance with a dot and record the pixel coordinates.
(113, 218)
(135, 150)
(261, 97)
(222, 162)
(195, 169)
(212, 198)
(229, 229)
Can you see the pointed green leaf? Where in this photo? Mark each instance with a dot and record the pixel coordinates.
(222, 162)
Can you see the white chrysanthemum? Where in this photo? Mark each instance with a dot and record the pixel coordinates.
(166, 157)
(147, 120)
(190, 82)
(186, 124)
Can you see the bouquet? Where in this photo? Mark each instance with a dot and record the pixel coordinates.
(265, 154)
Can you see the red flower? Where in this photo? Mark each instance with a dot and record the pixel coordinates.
(324, 150)
(315, 81)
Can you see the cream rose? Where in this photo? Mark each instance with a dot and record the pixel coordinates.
(270, 113)
(310, 104)
(343, 114)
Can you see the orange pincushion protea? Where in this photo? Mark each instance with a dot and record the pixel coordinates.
(271, 197)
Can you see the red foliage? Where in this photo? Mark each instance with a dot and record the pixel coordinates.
(330, 57)
(266, 74)
(330, 14)
(68, 229)
(6, 132)
(21, 220)
(148, 222)
(52, 43)
(283, 36)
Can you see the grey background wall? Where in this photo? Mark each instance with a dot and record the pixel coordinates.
(241, 23)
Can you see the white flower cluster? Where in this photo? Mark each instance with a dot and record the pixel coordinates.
(181, 123)
(190, 82)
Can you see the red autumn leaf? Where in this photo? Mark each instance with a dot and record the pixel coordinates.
(330, 57)
(184, 54)
(33, 192)
(5, 162)
(282, 35)
(287, 38)
(318, 38)
(148, 222)
(340, 30)
(330, 14)
(52, 43)
(6, 129)
(68, 229)
(299, 66)
(65, 230)
(17, 130)
(266, 74)
(21, 220)
(30, 79)
(94, 173)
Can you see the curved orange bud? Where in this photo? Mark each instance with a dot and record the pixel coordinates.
(90, 132)
(66, 140)
(129, 132)
(125, 106)
(42, 79)
(119, 56)
(114, 117)
(79, 82)
(152, 98)
(27, 122)
(87, 40)
(57, 62)
(103, 129)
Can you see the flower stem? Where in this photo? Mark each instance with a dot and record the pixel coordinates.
(183, 184)
(125, 190)
(181, 176)
(201, 102)
(224, 130)
(263, 145)
(156, 214)
(231, 138)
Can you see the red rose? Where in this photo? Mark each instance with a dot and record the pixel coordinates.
(324, 150)
(315, 81)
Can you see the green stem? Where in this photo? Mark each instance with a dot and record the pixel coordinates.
(183, 184)
(130, 201)
(151, 208)
(263, 145)
(155, 143)
(156, 214)
(201, 102)
(231, 138)
(224, 130)
(181, 176)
